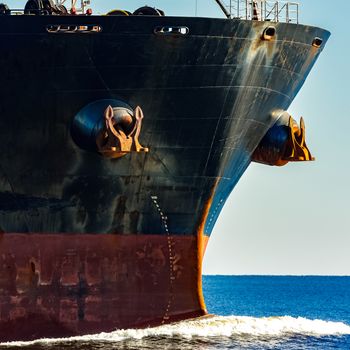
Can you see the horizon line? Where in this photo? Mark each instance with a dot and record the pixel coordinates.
(275, 275)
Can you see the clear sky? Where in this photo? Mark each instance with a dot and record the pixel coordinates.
(294, 219)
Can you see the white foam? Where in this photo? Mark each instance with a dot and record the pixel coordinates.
(216, 326)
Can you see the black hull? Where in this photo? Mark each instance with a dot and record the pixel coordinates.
(208, 99)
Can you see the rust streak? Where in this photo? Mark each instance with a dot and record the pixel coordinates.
(202, 242)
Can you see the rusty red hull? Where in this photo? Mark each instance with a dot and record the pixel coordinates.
(55, 285)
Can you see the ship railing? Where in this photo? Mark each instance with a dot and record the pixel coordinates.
(5, 10)
(261, 10)
(12, 12)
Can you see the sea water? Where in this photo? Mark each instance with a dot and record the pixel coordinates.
(248, 312)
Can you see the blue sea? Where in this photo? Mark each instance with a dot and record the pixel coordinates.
(247, 312)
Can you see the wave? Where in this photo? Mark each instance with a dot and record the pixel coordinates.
(215, 326)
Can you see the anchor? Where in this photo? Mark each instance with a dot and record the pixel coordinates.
(284, 142)
(120, 134)
(297, 151)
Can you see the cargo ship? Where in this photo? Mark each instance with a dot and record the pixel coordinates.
(121, 136)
